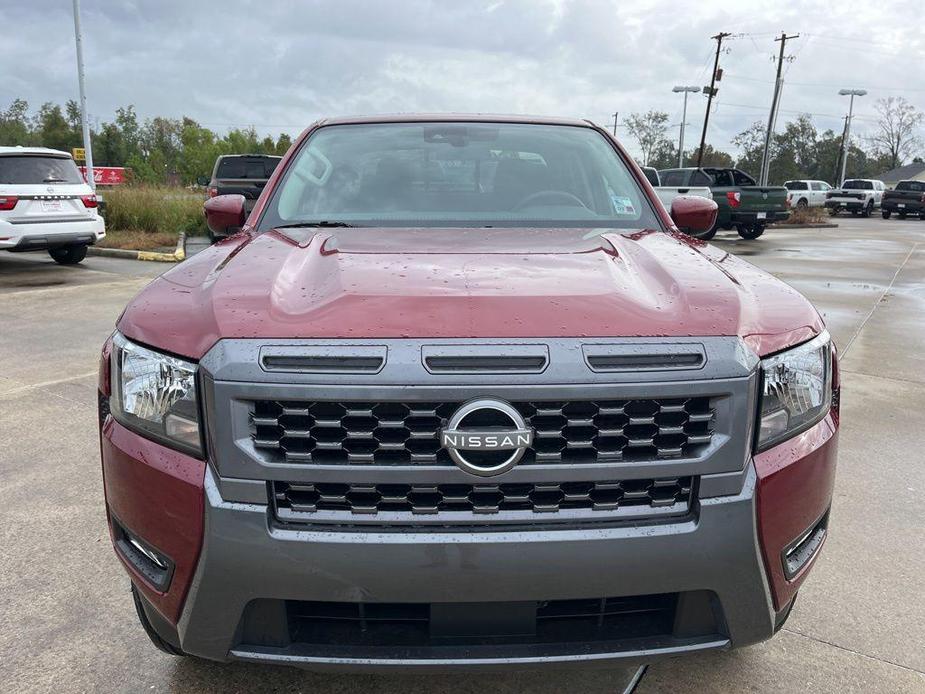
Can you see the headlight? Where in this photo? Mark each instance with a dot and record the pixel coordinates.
(797, 390)
(155, 395)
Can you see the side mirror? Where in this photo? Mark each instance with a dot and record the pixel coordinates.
(225, 214)
(693, 214)
(202, 180)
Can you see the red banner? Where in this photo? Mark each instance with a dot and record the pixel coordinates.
(106, 175)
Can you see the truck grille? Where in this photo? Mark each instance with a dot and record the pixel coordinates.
(295, 502)
(402, 433)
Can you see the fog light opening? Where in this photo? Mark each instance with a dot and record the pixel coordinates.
(154, 566)
(799, 552)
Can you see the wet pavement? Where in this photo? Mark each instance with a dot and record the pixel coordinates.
(67, 623)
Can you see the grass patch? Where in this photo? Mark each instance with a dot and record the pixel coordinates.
(154, 210)
(808, 215)
(139, 240)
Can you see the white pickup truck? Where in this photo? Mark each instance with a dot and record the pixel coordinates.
(857, 195)
(667, 193)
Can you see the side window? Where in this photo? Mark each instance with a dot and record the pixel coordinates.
(816, 185)
(699, 178)
(740, 178)
(672, 179)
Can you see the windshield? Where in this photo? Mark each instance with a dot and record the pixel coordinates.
(459, 174)
(917, 186)
(34, 170)
(858, 185)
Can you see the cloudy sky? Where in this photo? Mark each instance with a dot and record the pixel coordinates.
(279, 65)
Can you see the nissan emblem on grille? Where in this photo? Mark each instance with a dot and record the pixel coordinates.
(486, 437)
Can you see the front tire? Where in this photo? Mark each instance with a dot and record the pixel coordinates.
(68, 255)
(749, 232)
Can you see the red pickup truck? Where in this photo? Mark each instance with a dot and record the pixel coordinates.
(462, 394)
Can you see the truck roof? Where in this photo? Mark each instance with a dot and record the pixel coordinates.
(455, 117)
(18, 149)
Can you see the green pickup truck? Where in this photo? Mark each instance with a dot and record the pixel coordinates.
(743, 204)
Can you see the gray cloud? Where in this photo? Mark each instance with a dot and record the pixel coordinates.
(280, 65)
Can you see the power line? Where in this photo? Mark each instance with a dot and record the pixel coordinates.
(825, 84)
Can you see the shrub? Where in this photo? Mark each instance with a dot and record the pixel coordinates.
(154, 209)
(808, 215)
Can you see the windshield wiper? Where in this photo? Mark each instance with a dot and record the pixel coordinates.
(322, 223)
(54, 180)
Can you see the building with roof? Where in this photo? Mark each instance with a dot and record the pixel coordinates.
(909, 172)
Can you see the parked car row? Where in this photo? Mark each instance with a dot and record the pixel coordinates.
(860, 196)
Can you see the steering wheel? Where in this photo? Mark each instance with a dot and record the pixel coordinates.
(564, 196)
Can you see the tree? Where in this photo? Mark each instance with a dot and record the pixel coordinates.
(283, 143)
(895, 134)
(649, 130)
(14, 124)
(51, 129)
(711, 157)
(751, 142)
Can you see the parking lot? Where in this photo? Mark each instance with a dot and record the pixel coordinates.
(67, 622)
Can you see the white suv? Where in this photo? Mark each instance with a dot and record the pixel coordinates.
(45, 204)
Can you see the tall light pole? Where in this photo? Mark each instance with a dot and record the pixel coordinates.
(844, 141)
(685, 91)
(85, 125)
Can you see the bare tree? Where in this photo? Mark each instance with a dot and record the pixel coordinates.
(895, 136)
(649, 130)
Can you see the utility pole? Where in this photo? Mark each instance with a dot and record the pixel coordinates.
(85, 125)
(844, 141)
(615, 116)
(706, 118)
(775, 102)
(841, 154)
(685, 91)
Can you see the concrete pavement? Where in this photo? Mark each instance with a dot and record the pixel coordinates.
(66, 620)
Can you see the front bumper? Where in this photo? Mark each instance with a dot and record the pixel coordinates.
(245, 557)
(246, 586)
(41, 236)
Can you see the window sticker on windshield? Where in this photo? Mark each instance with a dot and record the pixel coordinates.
(622, 204)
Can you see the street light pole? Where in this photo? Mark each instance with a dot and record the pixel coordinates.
(685, 91)
(844, 141)
(85, 125)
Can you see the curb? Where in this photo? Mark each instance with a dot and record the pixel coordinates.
(177, 256)
(811, 225)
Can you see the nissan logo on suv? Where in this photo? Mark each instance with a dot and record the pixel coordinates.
(486, 437)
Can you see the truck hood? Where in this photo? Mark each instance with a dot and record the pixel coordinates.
(464, 283)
